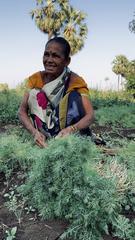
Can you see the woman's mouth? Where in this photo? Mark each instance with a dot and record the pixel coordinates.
(49, 67)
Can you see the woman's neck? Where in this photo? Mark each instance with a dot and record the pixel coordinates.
(48, 77)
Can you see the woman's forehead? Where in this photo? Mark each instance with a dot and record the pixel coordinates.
(54, 47)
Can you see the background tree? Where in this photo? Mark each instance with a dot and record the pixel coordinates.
(130, 78)
(59, 18)
(132, 25)
(120, 67)
(131, 69)
(3, 87)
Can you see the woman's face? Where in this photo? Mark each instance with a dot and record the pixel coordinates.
(54, 60)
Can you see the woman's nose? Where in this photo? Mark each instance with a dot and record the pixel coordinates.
(49, 58)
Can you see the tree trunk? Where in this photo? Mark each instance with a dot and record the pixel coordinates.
(118, 82)
(122, 86)
(50, 34)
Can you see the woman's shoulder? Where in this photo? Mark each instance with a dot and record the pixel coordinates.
(35, 80)
(36, 74)
(76, 79)
(78, 83)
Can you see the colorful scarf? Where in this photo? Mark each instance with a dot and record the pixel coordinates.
(43, 103)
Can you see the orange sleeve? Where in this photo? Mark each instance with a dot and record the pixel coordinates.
(34, 81)
(77, 83)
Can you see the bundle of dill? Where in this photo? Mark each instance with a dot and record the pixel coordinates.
(64, 183)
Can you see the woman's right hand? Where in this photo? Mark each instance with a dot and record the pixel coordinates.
(40, 139)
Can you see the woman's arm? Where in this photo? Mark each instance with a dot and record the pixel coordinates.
(83, 122)
(89, 114)
(39, 138)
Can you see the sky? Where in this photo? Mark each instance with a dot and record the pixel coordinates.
(22, 43)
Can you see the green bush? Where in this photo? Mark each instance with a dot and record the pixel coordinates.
(65, 183)
(101, 99)
(121, 116)
(14, 154)
(70, 180)
(9, 104)
(130, 83)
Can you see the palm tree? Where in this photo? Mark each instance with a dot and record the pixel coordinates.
(75, 30)
(130, 77)
(120, 67)
(58, 17)
(132, 25)
(131, 69)
(3, 87)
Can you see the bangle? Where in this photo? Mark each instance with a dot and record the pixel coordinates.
(74, 128)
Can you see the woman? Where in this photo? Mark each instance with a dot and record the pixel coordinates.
(57, 99)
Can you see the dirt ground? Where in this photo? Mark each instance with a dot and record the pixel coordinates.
(31, 226)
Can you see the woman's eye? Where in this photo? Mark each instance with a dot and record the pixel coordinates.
(55, 55)
(46, 54)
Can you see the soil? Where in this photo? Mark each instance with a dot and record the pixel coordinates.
(119, 132)
(31, 226)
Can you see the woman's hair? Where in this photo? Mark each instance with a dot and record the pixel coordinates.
(64, 43)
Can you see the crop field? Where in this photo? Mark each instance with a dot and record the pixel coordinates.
(77, 188)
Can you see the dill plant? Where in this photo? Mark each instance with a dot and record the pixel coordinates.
(64, 183)
(9, 104)
(121, 116)
(14, 154)
(110, 98)
(126, 156)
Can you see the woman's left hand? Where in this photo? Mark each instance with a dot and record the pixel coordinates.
(65, 132)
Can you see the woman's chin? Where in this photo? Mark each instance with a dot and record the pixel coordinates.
(50, 71)
(51, 75)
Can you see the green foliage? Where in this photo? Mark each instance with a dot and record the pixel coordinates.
(66, 184)
(125, 157)
(130, 84)
(125, 68)
(72, 179)
(123, 228)
(128, 202)
(21, 88)
(11, 233)
(127, 154)
(14, 205)
(14, 154)
(9, 104)
(113, 108)
(120, 65)
(130, 78)
(110, 98)
(120, 116)
(3, 86)
(132, 25)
